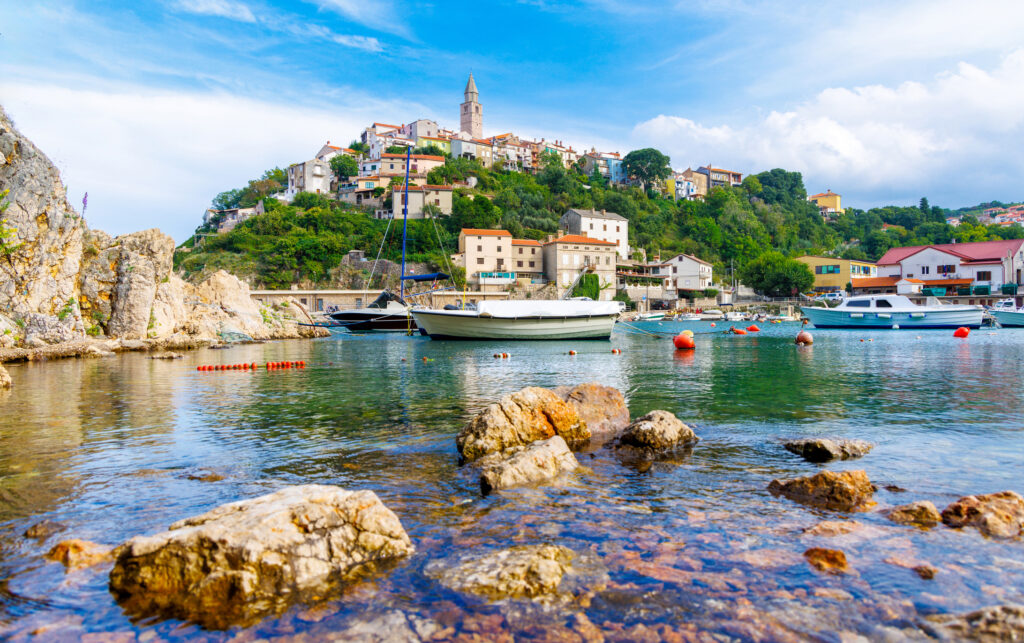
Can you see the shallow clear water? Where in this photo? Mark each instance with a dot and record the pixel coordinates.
(111, 448)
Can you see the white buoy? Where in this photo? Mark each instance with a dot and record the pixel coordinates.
(895, 326)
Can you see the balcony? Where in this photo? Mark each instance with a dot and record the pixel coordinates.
(496, 278)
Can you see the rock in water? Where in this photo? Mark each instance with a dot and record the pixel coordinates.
(602, 408)
(997, 623)
(539, 461)
(78, 554)
(998, 515)
(5, 378)
(656, 433)
(243, 559)
(824, 449)
(832, 561)
(519, 572)
(840, 491)
(921, 514)
(517, 420)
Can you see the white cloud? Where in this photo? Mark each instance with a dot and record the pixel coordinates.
(223, 8)
(155, 158)
(376, 14)
(954, 137)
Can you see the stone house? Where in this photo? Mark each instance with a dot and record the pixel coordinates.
(598, 224)
(568, 256)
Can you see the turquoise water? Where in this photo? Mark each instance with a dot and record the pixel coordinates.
(112, 448)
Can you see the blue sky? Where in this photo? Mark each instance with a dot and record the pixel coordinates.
(154, 107)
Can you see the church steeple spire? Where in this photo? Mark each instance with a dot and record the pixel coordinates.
(471, 93)
(471, 118)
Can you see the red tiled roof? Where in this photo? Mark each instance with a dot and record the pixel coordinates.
(874, 282)
(525, 242)
(576, 238)
(948, 282)
(387, 125)
(829, 193)
(486, 233)
(975, 251)
(417, 157)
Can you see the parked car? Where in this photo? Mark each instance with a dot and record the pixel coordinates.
(830, 297)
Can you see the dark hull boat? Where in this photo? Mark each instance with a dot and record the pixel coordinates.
(387, 314)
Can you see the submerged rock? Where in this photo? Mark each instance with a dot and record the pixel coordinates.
(602, 408)
(656, 433)
(832, 561)
(830, 528)
(541, 460)
(840, 491)
(245, 558)
(78, 554)
(5, 378)
(990, 624)
(43, 529)
(921, 514)
(518, 419)
(825, 449)
(998, 515)
(167, 355)
(519, 572)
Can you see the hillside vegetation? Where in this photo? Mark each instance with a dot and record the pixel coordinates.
(305, 242)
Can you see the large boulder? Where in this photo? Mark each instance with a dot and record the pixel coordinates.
(990, 624)
(527, 571)
(241, 560)
(840, 491)
(920, 514)
(657, 433)
(40, 274)
(602, 408)
(518, 419)
(998, 515)
(144, 260)
(536, 462)
(825, 449)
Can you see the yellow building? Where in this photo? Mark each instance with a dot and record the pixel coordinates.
(828, 202)
(832, 273)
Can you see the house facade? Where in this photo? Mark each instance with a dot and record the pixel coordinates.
(313, 176)
(486, 256)
(699, 180)
(360, 190)
(718, 177)
(987, 265)
(832, 274)
(568, 256)
(438, 196)
(598, 224)
(828, 202)
(394, 165)
(688, 273)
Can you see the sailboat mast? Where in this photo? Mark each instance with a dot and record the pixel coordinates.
(405, 220)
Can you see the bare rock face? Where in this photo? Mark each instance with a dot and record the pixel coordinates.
(539, 461)
(825, 449)
(921, 514)
(519, 572)
(988, 625)
(656, 433)
(839, 491)
(518, 419)
(42, 273)
(244, 559)
(997, 515)
(602, 408)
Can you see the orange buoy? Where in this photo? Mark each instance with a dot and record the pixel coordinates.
(504, 356)
(687, 332)
(255, 366)
(803, 337)
(738, 331)
(684, 342)
(963, 331)
(572, 352)
(713, 324)
(753, 328)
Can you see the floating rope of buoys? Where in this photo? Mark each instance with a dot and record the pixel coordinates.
(962, 332)
(616, 351)
(803, 338)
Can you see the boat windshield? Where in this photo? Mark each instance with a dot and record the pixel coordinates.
(384, 298)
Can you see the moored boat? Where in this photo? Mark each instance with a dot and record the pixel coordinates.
(521, 319)
(1008, 317)
(388, 313)
(893, 311)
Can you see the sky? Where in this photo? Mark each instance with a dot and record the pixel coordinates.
(153, 107)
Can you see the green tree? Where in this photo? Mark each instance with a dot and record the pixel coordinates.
(344, 166)
(395, 149)
(432, 150)
(227, 200)
(359, 146)
(752, 185)
(775, 275)
(647, 166)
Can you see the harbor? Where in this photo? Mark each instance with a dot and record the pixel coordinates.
(107, 449)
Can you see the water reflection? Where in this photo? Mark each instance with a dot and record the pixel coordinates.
(115, 447)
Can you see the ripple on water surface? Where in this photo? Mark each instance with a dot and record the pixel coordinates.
(121, 446)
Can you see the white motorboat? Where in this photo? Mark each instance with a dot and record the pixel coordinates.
(712, 315)
(734, 315)
(894, 311)
(522, 319)
(688, 317)
(1006, 313)
(651, 316)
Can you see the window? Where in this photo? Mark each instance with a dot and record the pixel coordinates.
(565, 260)
(437, 201)
(359, 302)
(607, 261)
(479, 248)
(533, 251)
(519, 264)
(605, 227)
(924, 270)
(616, 228)
(531, 264)
(984, 275)
(480, 260)
(858, 303)
(882, 303)
(909, 275)
(499, 248)
(520, 251)
(945, 270)
(591, 226)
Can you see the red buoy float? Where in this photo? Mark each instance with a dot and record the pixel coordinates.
(962, 332)
(738, 331)
(753, 328)
(572, 352)
(804, 338)
(684, 342)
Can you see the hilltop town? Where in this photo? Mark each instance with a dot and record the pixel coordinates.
(528, 217)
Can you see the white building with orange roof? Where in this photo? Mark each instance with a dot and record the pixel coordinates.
(486, 255)
(438, 197)
(598, 224)
(419, 164)
(566, 257)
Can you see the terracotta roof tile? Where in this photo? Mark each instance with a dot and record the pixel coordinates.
(486, 233)
(576, 238)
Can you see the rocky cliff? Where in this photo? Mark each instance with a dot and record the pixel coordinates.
(61, 282)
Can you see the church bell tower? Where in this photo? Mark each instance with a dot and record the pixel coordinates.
(471, 119)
